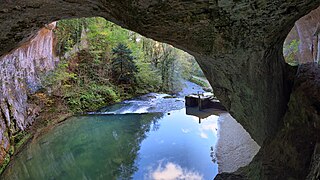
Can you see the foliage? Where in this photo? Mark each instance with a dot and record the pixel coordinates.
(123, 66)
(147, 78)
(68, 33)
(162, 57)
(57, 81)
(102, 63)
(290, 52)
(5, 162)
(18, 140)
(91, 97)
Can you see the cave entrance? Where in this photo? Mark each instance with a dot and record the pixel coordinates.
(97, 63)
(302, 44)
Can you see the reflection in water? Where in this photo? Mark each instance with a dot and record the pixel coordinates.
(137, 146)
(203, 113)
(179, 141)
(85, 147)
(235, 148)
(173, 171)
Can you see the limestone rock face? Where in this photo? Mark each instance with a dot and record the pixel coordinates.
(20, 73)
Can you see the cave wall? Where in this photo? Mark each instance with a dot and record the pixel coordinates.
(293, 153)
(20, 73)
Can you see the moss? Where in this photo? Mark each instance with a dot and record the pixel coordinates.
(22, 139)
(17, 141)
(5, 163)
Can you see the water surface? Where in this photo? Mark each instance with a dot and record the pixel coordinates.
(149, 137)
(137, 146)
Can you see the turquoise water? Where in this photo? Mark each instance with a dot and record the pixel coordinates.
(124, 146)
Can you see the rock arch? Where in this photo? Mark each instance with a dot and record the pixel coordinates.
(238, 44)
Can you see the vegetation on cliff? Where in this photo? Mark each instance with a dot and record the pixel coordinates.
(102, 63)
(291, 51)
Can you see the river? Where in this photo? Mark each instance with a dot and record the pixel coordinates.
(149, 137)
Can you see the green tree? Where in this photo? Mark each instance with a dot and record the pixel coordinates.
(123, 66)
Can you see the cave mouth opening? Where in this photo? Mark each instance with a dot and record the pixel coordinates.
(87, 44)
(83, 47)
(302, 44)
